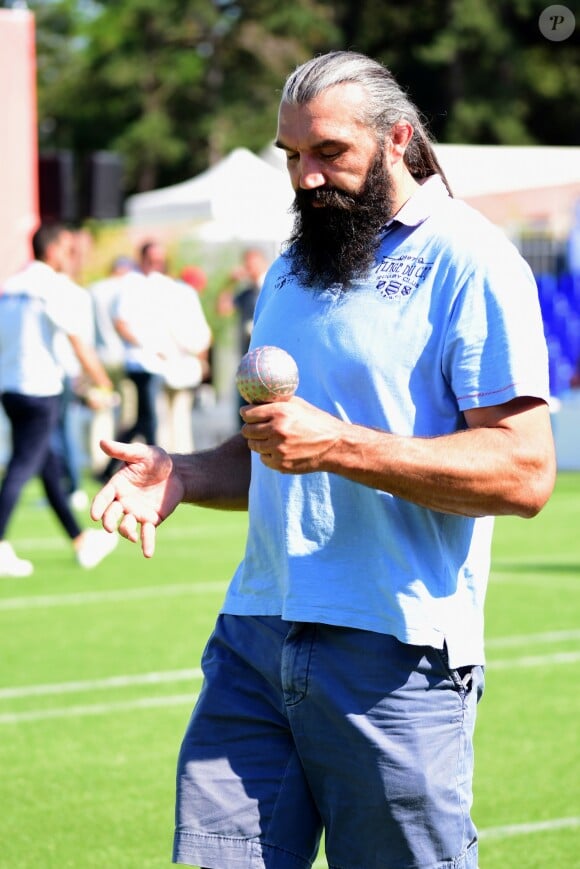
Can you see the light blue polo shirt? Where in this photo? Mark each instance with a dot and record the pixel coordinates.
(448, 319)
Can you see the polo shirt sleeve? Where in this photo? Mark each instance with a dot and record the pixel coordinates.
(495, 349)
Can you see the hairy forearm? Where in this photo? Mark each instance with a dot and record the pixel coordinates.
(476, 472)
(218, 478)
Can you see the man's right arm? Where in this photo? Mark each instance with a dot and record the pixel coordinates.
(151, 484)
(217, 478)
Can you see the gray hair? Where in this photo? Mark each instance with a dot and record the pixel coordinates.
(387, 103)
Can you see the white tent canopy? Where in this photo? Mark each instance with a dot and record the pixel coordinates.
(242, 198)
(481, 170)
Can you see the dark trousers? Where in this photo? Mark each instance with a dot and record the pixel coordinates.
(64, 441)
(33, 420)
(145, 425)
(147, 386)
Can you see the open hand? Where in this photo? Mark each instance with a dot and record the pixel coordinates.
(140, 495)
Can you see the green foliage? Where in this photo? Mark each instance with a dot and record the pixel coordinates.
(174, 86)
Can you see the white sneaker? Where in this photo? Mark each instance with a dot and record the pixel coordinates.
(95, 545)
(10, 564)
(78, 500)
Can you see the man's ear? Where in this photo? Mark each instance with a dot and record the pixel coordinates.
(398, 138)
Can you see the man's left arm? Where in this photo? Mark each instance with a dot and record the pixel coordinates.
(503, 463)
(90, 363)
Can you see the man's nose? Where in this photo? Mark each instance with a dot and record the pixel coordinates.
(310, 175)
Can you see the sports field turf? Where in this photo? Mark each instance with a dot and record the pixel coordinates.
(98, 671)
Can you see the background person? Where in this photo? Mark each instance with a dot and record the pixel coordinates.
(104, 295)
(241, 300)
(254, 268)
(248, 278)
(186, 364)
(70, 438)
(139, 315)
(195, 276)
(36, 305)
(111, 351)
(343, 673)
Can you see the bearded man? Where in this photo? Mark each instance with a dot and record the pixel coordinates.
(343, 674)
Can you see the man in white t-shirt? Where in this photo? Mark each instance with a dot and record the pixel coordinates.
(37, 305)
(186, 363)
(105, 421)
(104, 294)
(138, 314)
(165, 333)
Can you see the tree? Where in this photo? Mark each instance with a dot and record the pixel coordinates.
(174, 86)
(171, 86)
(481, 72)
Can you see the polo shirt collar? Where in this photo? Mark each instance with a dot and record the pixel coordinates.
(419, 207)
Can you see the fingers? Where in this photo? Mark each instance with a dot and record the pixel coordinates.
(261, 447)
(256, 434)
(114, 518)
(113, 515)
(148, 539)
(102, 500)
(129, 528)
(123, 452)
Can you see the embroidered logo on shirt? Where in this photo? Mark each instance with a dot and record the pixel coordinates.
(397, 277)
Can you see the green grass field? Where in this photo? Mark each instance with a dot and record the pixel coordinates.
(98, 671)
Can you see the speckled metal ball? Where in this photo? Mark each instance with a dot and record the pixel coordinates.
(267, 374)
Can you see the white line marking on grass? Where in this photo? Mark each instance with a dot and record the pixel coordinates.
(165, 677)
(503, 832)
(168, 676)
(97, 708)
(534, 639)
(534, 661)
(533, 827)
(126, 681)
(114, 596)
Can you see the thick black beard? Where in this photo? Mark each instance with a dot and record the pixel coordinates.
(335, 242)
